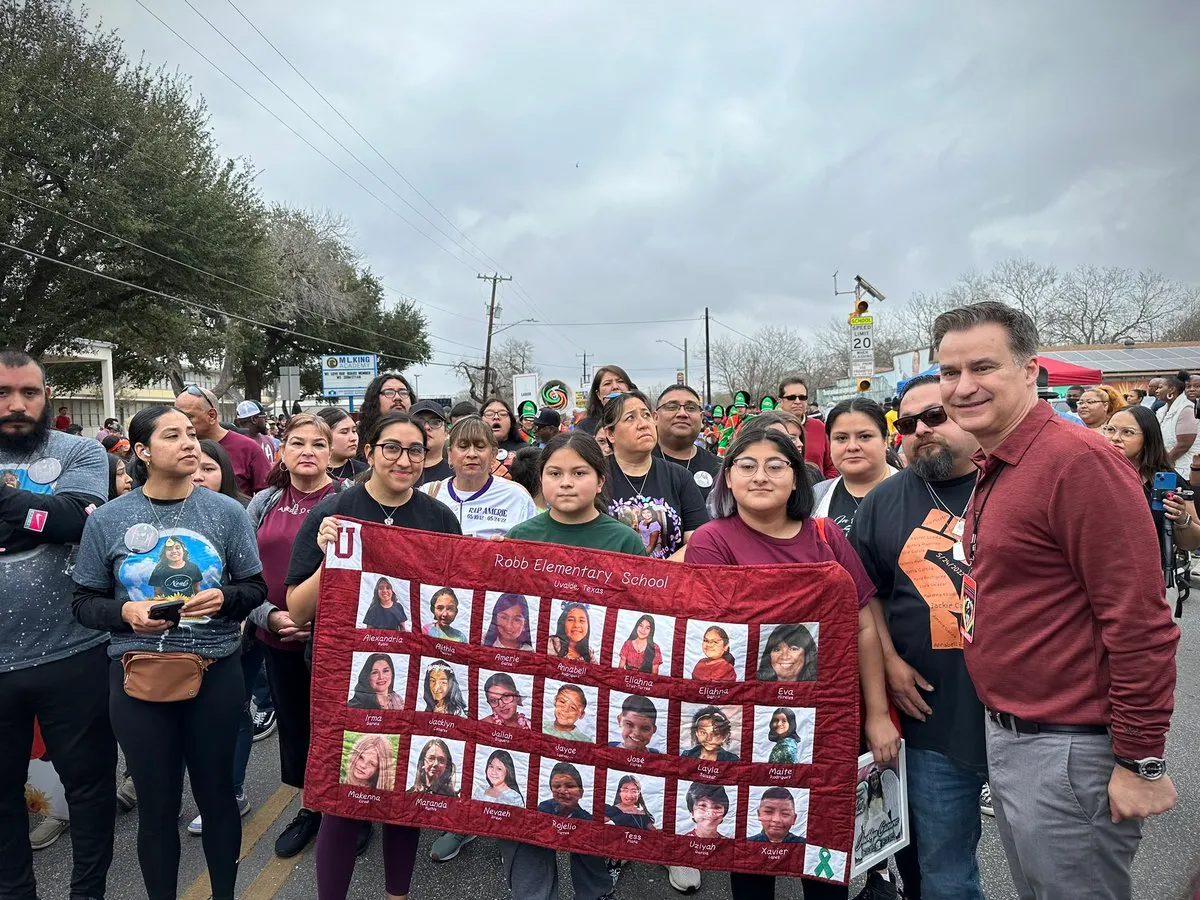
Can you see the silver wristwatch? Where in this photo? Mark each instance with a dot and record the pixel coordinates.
(1151, 768)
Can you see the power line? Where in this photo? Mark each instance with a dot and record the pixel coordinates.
(305, 140)
(203, 307)
(597, 324)
(230, 282)
(171, 172)
(360, 135)
(739, 333)
(326, 131)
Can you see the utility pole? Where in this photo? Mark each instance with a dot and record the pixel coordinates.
(707, 363)
(495, 279)
(686, 380)
(583, 378)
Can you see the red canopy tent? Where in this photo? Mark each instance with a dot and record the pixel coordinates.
(1062, 374)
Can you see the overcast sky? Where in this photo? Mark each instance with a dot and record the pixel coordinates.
(640, 161)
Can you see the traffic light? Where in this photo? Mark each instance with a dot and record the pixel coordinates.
(862, 307)
(863, 385)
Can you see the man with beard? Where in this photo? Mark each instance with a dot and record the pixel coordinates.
(908, 533)
(252, 421)
(680, 417)
(51, 668)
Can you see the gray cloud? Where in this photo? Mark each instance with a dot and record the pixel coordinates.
(631, 163)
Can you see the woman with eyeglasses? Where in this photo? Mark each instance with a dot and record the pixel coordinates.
(790, 424)
(607, 382)
(763, 507)
(1096, 404)
(640, 481)
(1135, 431)
(395, 450)
(509, 437)
(343, 448)
(857, 430)
(387, 392)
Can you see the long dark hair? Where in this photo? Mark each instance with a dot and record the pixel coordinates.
(386, 421)
(564, 643)
(141, 429)
(505, 602)
(369, 412)
(1153, 457)
(727, 656)
(595, 403)
(721, 502)
(455, 705)
(864, 405)
(791, 720)
(641, 801)
(796, 635)
(217, 454)
(114, 462)
(648, 653)
(589, 451)
(615, 408)
(364, 694)
(515, 432)
(510, 771)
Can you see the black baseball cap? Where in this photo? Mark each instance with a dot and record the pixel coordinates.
(428, 406)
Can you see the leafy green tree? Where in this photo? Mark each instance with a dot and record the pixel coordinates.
(101, 154)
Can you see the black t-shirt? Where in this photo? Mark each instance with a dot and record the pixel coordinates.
(421, 511)
(906, 541)
(668, 493)
(439, 472)
(349, 469)
(843, 508)
(703, 467)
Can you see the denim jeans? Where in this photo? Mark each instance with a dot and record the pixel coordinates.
(943, 806)
(252, 666)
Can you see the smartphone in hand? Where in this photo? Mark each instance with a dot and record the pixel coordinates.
(168, 611)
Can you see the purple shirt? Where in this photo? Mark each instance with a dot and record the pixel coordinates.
(731, 542)
(250, 466)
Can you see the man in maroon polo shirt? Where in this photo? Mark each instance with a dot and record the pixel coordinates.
(250, 465)
(1071, 646)
(793, 397)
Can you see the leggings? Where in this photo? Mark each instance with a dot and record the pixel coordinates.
(159, 739)
(336, 843)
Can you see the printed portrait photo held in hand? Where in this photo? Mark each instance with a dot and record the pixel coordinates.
(376, 683)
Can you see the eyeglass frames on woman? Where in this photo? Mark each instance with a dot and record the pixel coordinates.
(391, 451)
(748, 468)
(932, 417)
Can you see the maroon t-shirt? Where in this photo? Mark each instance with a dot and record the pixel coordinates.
(276, 536)
(250, 466)
(731, 542)
(816, 446)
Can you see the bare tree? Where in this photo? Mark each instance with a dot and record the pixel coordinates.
(755, 364)
(1110, 305)
(512, 357)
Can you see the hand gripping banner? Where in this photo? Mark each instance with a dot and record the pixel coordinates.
(588, 701)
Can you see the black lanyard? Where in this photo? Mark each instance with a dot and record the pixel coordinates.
(977, 511)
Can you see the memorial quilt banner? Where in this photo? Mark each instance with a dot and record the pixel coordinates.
(589, 701)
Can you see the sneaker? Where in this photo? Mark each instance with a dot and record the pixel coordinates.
(447, 846)
(298, 833)
(127, 795)
(196, 826)
(49, 831)
(878, 888)
(364, 839)
(985, 801)
(264, 724)
(684, 879)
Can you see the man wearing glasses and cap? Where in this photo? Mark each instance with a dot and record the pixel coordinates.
(250, 465)
(433, 419)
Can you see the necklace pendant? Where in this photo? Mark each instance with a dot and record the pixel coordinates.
(387, 521)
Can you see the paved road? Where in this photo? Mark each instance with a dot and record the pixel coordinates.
(1170, 851)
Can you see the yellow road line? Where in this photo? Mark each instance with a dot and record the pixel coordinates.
(252, 831)
(273, 877)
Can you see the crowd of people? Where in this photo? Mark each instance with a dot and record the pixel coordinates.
(164, 578)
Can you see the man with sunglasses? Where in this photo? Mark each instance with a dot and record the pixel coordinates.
(250, 465)
(908, 533)
(680, 418)
(794, 398)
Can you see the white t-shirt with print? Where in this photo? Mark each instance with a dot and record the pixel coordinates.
(490, 511)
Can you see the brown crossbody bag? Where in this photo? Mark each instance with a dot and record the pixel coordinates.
(163, 677)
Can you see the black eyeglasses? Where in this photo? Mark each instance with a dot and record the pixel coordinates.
(796, 398)
(673, 406)
(391, 451)
(932, 417)
(196, 391)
